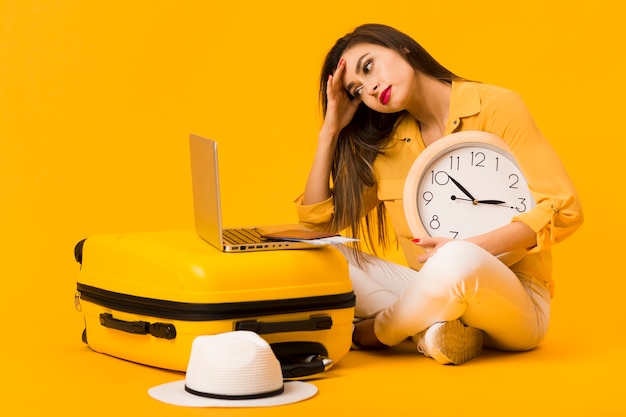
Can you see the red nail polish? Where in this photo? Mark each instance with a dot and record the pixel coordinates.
(415, 240)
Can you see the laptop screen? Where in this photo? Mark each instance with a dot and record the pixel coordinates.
(205, 188)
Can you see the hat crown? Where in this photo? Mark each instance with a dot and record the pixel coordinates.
(234, 365)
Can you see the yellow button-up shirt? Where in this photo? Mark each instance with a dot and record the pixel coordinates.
(475, 106)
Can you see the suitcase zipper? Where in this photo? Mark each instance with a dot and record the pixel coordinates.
(175, 310)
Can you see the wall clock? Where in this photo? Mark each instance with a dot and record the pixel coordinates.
(463, 185)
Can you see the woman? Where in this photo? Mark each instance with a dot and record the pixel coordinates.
(385, 99)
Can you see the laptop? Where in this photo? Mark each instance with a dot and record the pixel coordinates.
(208, 213)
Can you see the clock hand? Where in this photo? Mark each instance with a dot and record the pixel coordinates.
(476, 202)
(460, 187)
(463, 199)
(491, 202)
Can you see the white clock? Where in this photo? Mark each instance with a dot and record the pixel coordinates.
(465, 184)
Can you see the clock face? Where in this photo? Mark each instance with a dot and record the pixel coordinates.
(468, 189)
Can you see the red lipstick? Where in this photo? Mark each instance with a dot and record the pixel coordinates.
(385, 95)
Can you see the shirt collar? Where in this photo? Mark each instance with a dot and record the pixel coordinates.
(464, 99)
(464, 102)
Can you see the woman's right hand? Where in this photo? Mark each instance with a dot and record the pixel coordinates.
(340, 109)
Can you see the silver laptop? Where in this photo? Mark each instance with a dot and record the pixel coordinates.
(207, 207)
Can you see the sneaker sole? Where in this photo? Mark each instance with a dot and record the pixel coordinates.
(455, 343)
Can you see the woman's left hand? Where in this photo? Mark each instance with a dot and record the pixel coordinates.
(430, 246)
(511, 237)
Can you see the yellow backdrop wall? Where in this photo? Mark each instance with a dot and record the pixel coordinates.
(97, 99)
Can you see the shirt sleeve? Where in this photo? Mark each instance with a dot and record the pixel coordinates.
(558, 211)
(319, 216)
(315, 216)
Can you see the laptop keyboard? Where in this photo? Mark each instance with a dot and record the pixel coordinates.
(242, 235)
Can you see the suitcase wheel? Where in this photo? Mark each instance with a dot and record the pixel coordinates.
(301, 359)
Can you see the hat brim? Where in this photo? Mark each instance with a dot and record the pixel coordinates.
(174, 393)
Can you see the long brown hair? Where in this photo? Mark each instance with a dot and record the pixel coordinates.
(368, 134)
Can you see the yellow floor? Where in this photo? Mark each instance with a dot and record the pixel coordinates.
(48, 370)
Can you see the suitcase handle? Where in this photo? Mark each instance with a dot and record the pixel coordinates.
(312, 324)
(160, 330)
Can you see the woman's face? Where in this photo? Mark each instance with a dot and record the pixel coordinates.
(379, 76)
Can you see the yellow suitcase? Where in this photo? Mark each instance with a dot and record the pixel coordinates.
(146, 296)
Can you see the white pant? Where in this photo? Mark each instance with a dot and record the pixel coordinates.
(460, 281)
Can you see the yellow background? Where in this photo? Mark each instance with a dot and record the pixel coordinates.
(97, 99)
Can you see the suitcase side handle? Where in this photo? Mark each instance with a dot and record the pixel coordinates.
(160, 330)
(312, 324)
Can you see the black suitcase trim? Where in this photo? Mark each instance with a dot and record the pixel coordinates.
(175, 310)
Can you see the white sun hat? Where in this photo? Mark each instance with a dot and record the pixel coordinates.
(233, 369)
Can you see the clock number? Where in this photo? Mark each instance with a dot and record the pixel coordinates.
(428, 197)
(454, 234)
(458, 162)
(439, 177)
(497, 163)
(434, 223)
(515, 179)
(477, 159)
(521, 207)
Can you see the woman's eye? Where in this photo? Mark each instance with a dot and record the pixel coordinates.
(367, 67)
(357, 92)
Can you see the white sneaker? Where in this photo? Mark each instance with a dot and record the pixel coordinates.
(450, 342)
